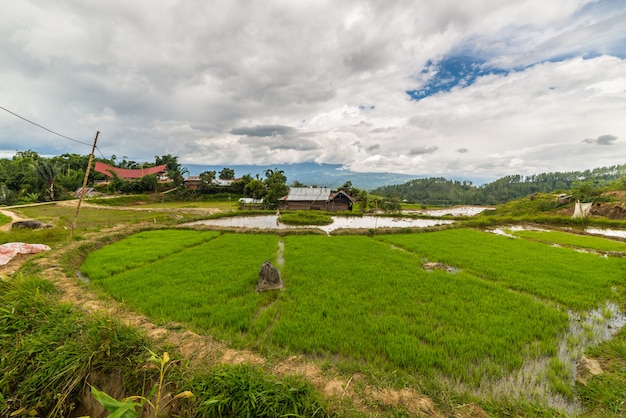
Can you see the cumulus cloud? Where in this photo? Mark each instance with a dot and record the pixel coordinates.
(330, 82)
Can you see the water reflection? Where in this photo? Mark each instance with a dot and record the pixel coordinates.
(451, 211)
(352, 222)
(607, 232)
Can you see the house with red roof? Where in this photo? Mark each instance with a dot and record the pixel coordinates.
(131, 174)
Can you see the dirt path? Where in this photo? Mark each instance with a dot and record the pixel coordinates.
(204, 350)
(14, 218)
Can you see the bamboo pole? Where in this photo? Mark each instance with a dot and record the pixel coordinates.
(82, 190)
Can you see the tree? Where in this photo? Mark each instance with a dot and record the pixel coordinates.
(227, 174)
(206, 181)
(175, 171)
(276, 183)
(47, 172)
(255, 189)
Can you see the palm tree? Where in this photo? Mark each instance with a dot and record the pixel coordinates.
(47, 172)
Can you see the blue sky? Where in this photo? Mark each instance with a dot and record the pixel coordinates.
(479, 88)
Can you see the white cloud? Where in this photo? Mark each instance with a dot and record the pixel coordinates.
(331, 77)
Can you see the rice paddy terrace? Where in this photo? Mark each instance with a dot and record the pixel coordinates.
(500, 319)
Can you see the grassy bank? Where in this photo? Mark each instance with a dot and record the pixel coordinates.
(51, 352)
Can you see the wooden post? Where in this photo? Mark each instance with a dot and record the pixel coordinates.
(82, 190)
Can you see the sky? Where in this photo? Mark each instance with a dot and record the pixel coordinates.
(473, 88)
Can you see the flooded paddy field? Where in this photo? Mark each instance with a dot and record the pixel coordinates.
(339, 222)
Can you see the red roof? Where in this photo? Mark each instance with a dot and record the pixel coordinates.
(126, 173)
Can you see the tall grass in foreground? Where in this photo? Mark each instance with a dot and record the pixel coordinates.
(49, 349)
(577, 280)
(50, 352)
(243, 390)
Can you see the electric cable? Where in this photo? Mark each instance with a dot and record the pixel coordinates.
(43, 127)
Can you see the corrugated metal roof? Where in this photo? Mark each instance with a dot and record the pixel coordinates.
(308, 194)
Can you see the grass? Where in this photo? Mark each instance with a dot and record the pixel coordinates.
(94, 219)
(576, 280)
(305, 218)
(208, 286)
(400, 315)
(49, 349)
(385, 310)
(244, 390)
(141, 249)
(572, 240)
(605, 395)
(5, 219)
(51, 352)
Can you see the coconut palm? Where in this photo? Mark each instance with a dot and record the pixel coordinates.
(47, 172)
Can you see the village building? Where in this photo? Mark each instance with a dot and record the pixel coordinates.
(192, 183)
(131, 174)
(322, 198)
(247, 203)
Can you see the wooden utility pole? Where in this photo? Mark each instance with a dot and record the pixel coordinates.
(82, 190)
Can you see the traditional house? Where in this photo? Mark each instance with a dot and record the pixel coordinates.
(131, 174)
(322, 198)
(192, 183)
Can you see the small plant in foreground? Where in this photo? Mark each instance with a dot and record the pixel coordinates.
(132, 406)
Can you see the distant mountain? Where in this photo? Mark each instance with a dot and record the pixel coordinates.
(311, 174)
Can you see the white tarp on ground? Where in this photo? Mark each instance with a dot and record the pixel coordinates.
(11, 249)
(581, 210)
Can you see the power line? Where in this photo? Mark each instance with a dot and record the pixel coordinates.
(43, 127)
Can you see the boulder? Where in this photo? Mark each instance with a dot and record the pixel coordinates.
(30, 224)
(269, 278)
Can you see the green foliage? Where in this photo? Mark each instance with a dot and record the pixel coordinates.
(49, 349)
(305, 218)
(133, 406)
(244, 390)
(255, 189)
(227, 173)
(442, 192)
(276, 184)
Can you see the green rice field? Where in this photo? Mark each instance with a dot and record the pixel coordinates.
(366, 302)
(573, 240)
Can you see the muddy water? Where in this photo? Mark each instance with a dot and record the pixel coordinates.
(353, 222)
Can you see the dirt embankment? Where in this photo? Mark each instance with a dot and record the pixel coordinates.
(609, 210)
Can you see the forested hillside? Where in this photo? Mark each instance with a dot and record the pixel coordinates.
(440, 191)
